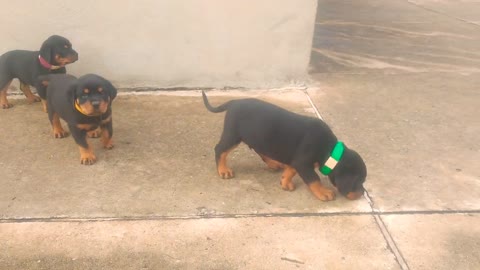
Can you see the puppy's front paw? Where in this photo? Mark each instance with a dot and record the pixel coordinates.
(106, 139)
(59, 133)
(87, 159)
(6, 105)
(33, 98)
(287, 185)
(225, 172)
(107, 144)
(322, 193)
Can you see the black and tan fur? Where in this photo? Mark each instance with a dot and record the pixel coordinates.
(26, 66)
(288, 141)
(85, 104)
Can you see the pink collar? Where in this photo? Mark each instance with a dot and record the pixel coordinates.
(45, 64)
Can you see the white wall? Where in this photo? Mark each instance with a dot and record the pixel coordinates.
(169, 43)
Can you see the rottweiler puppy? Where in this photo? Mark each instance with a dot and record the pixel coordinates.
(54, 54)
(292, 142)
(85, 104)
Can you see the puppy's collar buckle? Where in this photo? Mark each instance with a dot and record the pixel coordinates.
(47, 65)
(334, 158)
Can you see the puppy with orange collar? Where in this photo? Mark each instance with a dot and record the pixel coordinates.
(85, 104)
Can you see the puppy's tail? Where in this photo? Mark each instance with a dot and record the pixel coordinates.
(218, 109)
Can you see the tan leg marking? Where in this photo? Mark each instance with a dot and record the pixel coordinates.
(58, 131)
(94, 133)
(223, 170)
(3, 97)
(322, 193)
(31, 98)
(44, 105)
(85, 127)
(87, 157)
(287, 175)
(272, 164)
(106, 139)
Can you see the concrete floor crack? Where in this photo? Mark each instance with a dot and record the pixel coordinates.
(442, 13)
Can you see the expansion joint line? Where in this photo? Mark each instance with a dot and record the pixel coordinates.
(392, 245)
(378, 219)
(312, 104)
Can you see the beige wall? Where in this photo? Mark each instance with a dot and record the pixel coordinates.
(169, 43)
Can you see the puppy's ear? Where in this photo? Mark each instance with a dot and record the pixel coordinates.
(350, 173)
(71, 92)
(343, 180)
(46, 51)
(112, 91)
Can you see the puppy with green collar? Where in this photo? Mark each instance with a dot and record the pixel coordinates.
(292, 142)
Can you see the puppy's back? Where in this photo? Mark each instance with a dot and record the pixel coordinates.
(15, 61)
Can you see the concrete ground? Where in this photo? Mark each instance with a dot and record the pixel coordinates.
(396, 80)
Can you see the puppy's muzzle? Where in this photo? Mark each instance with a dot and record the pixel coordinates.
(74, 56)
(354, 195)
(96, 104)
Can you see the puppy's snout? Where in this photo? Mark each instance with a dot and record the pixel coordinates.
(354, 195)
(96, 104)
(73, 56)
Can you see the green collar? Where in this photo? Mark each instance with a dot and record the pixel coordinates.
(334, 158)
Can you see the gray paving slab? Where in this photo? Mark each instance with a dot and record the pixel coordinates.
(398, 80)
(392, 37)
(417, 132)
(437, 241)
(259, 243)
(162, 165)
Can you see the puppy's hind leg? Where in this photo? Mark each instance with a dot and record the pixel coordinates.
(3, 94)
(227, 143)
(41, 86)
(272, 164)
(31, 98)
(58, 131)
